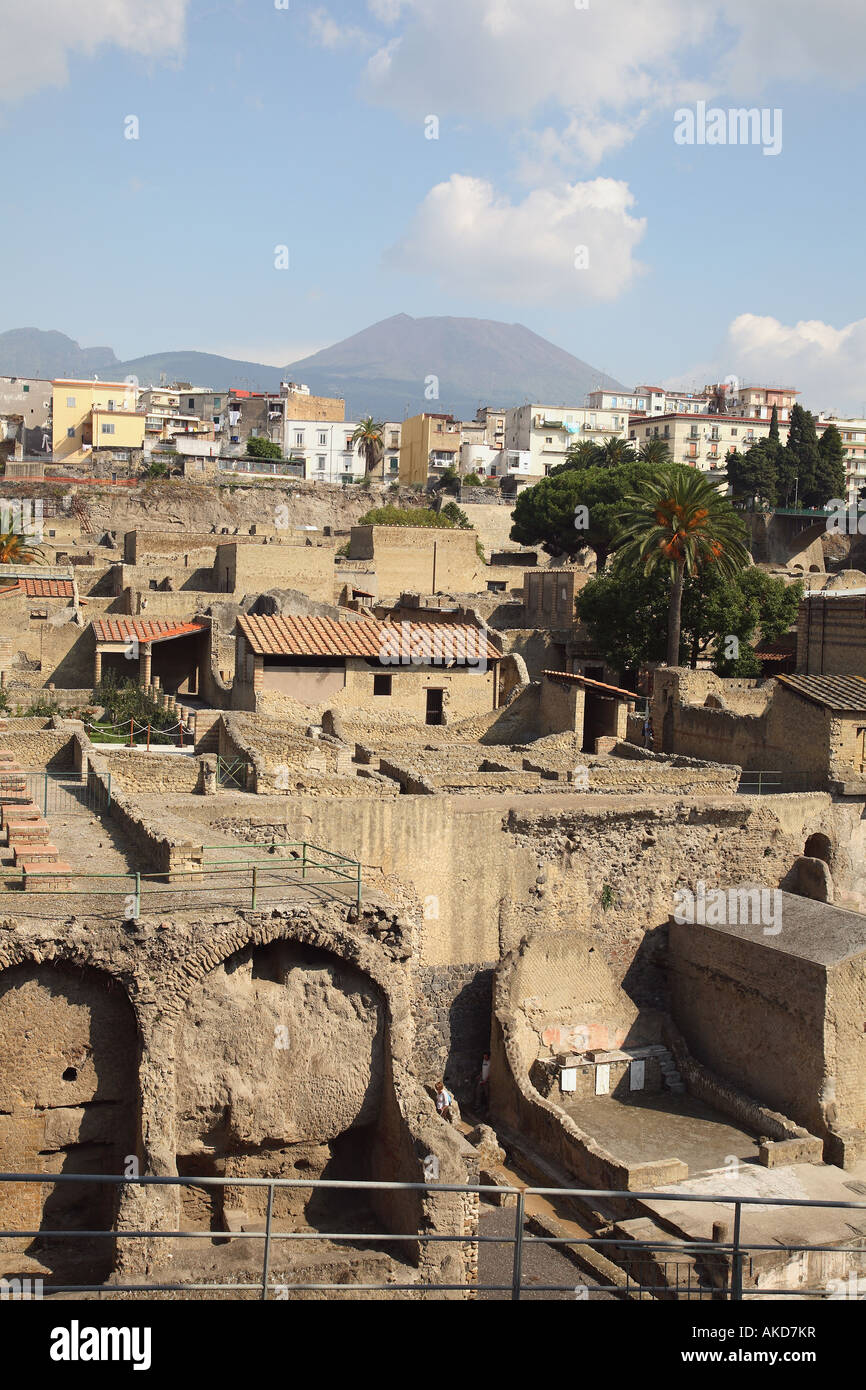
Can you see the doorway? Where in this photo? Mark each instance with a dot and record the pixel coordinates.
(434, 707)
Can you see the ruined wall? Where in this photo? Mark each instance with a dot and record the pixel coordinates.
(239, 978)
(141, 771)
(421, 558)
(775, 1005)
(67, 1097)
(767, 728)
(258, 565)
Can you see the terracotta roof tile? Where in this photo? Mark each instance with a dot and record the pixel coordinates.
(291, 636)
(143, 629)
(594, 685)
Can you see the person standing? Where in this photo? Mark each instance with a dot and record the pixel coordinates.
(444, 1101)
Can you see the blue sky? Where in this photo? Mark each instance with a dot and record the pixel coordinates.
(306, 127)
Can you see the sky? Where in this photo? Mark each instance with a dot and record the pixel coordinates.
(300, 171)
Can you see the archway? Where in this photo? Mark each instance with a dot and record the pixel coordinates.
(281, 1073)
(68, 1104)
(818, 846)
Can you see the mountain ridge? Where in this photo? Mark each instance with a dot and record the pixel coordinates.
(390, 369)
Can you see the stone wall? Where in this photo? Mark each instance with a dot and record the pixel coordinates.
(127, 1038)
(421, 558)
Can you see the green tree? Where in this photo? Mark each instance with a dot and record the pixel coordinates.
(260, 448)
(678, 521)
(472, 480)
(406, 516)
(753, 474)
(548, 514)
(626, 612)
(581, 454)
(369, 433)
(830, 474)
(773, 436)
(655, 451)
(451, 512)
(615, 451)
(801, 460)
(450, 480)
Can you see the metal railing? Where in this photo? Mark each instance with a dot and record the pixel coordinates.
(725, 1261)
(253, 882)
(759, 782)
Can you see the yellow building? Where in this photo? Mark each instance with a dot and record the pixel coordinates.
(92, 415)
(428, 445)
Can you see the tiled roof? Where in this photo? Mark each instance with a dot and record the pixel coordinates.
(47, 588)
(40, 588)
(328, 637)
(836, 692)
(591, 684)
(833, 691)
(143, 629)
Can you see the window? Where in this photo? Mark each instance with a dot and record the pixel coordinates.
(107, 429)
(51, 534)
(217, 402)
(382, 685)
(733, 434)
(394, 465)
(70, 402)
(111, 405)
(548, 439)
(190, 401)
(323, 439)
(25, 389)
(299, 436)
(70, 434)
(320, 461)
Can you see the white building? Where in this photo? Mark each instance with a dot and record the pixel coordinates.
(650, 400)
(547, 432)
(326, 449)
(853, 432)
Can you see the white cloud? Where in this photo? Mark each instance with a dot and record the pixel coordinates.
(329, 33)
(40, 40)
(604, 69)
(470, 239)
(825, 364)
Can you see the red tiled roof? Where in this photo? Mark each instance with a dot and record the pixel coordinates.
(47, 588)
(143, 629)
(595, 685)
(328, 637)
(40, 588)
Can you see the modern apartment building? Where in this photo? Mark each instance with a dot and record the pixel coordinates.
(650, 400)
(546, 432)
(756, 402)
(429, 444)
(853, 432)
(89, 416)
(704, 441)
(493, 421)
(326, 449)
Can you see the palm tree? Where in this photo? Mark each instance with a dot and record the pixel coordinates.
(655, 451)
(15, 549)
(583, 453)
(680, 520)
(614, 451)
(369, 434)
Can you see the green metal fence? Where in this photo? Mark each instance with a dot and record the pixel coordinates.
(310, 872)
